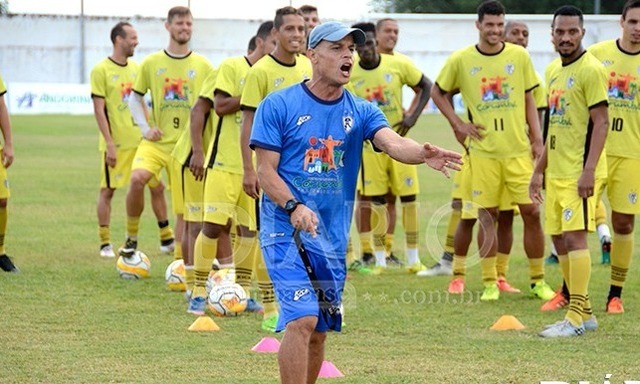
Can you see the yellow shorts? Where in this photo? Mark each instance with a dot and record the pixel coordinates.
(152, 159)
(489, 176)
(565, 210)
(225, 199)
(118, 176)
(381, 174)
(5, 192)
(623, 185)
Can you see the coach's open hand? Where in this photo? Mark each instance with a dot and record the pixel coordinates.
(441, 159)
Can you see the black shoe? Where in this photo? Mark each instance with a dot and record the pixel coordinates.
(129, 248)
(393, 261)
(7, 265)
(368, 258)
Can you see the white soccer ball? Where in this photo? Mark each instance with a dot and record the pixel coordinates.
(135, 267)
(227, 300)
(221, 276)
(175, 277)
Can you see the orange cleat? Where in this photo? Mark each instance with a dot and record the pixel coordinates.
(504, 286)
(557, 302)
(615, 305)
(456, 285)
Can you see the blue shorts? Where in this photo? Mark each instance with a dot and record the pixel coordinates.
(297, 293)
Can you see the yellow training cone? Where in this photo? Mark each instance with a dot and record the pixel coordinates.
(204, 323)
(507, 322)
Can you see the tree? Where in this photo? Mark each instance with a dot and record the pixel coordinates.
(4, 7)
(513, 6)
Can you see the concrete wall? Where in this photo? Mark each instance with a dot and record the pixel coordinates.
(48, 48)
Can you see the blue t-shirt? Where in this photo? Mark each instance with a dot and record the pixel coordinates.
(320, 145)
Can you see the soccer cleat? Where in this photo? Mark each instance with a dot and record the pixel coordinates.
(368, 259)
(504, 286)
(269, 324)
(197, 305)
(254, 306)
(490, 293)
(129, 248)
(591, 324)
(107, 251)
(552, 259)
(456, 285)
(615, 305)
(7, 265)
(557, 302)
(440, 269)
(358, 266)
(167, 246)
(563, 328)
(542, 290)
(605, 242)
(393, 261)
(416, 268)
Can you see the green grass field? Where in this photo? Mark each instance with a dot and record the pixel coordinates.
(69, 318)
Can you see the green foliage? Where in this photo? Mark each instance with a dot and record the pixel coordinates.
(68, 317)
(512, 6)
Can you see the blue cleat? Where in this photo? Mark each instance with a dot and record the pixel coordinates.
(254, 306)
(197, 305)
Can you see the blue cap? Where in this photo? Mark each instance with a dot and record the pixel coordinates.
(334, 31)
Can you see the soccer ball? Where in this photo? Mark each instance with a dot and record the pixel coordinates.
(135, 267)
(221, 276)
(174, 276)
(227, 299)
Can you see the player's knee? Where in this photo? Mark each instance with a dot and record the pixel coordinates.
(212, 230)
(622, 224)
(3, 203)
(456, 204)
(139, 179)
(303, 326)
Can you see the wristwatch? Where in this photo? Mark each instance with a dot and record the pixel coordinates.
(291, 206)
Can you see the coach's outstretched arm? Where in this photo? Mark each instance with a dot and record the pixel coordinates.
(409, 151)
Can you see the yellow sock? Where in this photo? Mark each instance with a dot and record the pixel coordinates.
(3, 228)
(365, 242)
(177, 251)
(388, 242)
(243, 258)
(488, 267)
(205, 250)
(133, 225)
(502, 264)
(563, 260)
(579, 275)
(621, 253)
(265, 286)
(104, 232)
(166, 233)
(410, 224)
(587, 311)
(459, 266)
(189, 277)
(378, 225)
(351, 256)
(454, 220)
(536, 270)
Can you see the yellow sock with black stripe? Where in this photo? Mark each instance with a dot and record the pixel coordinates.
(204, 252)
(459, 266)
(166, 233)
(104, 232)
(502, 264)
(410, 224)
(621, 254)
(189, 277)
(579, 276)
(388, 242)
(587, 311)
(4, 217)
(536, 270)
(488, 268)
(244, 260)
(133, 226)
(452, 227)
(177, 251)
(365, 242)
(265, 286)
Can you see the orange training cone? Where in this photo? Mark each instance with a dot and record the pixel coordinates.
(507, 322)
(329, 370)
(204, 323)
(267, 345)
